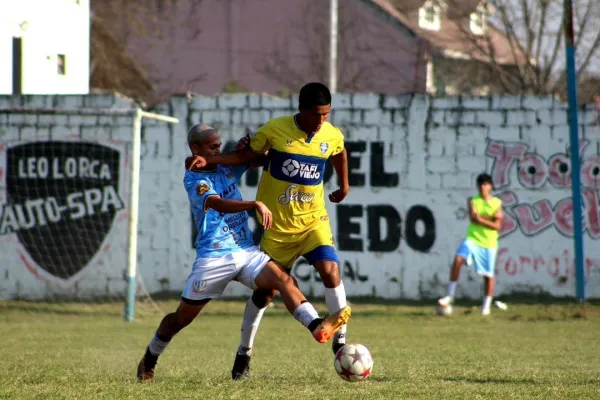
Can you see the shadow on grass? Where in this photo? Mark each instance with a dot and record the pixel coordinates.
(510, 381)
(515, 381)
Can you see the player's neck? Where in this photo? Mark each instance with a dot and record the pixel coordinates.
(488, 197)
(298, 122)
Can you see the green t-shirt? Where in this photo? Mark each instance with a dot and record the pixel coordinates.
(479, 234)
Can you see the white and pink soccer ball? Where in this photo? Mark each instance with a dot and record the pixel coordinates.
(353, 362)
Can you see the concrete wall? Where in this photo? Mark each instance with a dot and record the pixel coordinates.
(413, 161)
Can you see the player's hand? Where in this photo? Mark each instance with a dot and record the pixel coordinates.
(195, 162)
(265, 213)
(339, 195)
(243, 143)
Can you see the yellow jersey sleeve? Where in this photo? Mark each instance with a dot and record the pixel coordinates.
(338, 145)
(261, 141)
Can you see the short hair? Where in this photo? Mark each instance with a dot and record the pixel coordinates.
(484, 178)
(314, 94)
(199, 133)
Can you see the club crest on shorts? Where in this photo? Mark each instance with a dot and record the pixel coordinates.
(61, 201)
(324, 147)
(199, 286)
(202, 188)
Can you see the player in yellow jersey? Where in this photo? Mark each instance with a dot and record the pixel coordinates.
(295, 151)
(481, 244)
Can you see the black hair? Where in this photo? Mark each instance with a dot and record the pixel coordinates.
(314, 94)
(484, 178)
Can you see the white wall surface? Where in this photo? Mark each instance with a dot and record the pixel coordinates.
(48, 28)
(413, 163)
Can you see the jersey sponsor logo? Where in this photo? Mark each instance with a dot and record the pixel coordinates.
(295, 195)
(324, 147)
(202, 188)
(288, 143)
(304, 170)
(228, 190)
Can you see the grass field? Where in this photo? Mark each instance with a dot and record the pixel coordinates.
(527, 352)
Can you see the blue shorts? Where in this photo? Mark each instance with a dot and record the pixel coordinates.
(322, 253)
(483, 258)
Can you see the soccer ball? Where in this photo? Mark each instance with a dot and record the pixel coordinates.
(353, 362)
(290, 167)
(443, 311)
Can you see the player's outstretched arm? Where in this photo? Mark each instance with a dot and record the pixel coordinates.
(239, 157)
(244, 144)
(234, 206)
(340, 164)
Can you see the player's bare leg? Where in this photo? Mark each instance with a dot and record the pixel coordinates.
(273, 276)
(335, 296)
(170, 325)
(454, 275)
(488, 286)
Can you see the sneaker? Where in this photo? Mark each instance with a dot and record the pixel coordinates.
(445, 301)
(485, 311)
(145, 370)
(241, 367)
(501, 305)
(331, 324)
(337, 346)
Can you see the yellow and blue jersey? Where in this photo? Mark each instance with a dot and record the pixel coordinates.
(291, 185)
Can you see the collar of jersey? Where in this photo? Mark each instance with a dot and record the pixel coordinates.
(206, 171)
(307, 138)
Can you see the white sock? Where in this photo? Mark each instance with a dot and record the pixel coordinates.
(335, 298)
(250, 323)
(157, 346)
(451, 289)
(305, 313)
(487, 302)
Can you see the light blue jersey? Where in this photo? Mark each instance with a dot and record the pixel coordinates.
(218, 234)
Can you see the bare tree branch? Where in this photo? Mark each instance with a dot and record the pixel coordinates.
(533, 38)
(114, 23)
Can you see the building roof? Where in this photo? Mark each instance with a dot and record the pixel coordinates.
(454, 39)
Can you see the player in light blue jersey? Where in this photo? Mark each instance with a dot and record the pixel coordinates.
(226, 252)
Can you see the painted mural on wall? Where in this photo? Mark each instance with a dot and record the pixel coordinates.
(536, 193)
(64, 217)
(59, 203)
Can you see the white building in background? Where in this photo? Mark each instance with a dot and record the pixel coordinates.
(44, 46)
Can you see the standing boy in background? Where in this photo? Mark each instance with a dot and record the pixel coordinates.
(480, 246)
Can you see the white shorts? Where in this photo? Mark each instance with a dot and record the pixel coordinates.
(210, 276)
(483, 258)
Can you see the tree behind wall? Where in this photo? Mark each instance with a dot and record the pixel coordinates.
(534, 28)
(114, 23)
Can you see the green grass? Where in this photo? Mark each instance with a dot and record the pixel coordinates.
(527, 352)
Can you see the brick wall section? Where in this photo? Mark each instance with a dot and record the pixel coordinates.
(436, 145)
